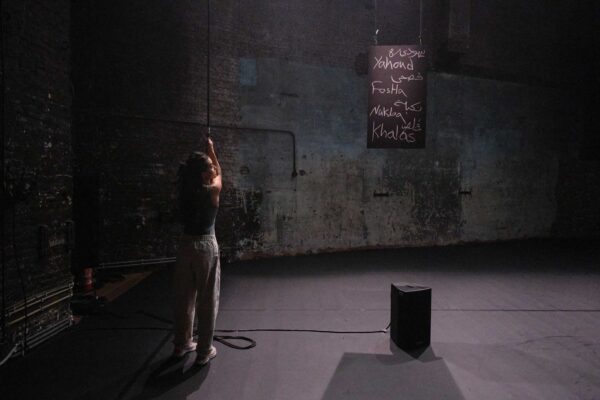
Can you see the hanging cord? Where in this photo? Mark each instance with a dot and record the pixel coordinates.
(421, 23)
(2, 130)
(376, 24)
(208, 66)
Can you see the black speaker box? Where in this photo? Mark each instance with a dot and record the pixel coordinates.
(411, 316)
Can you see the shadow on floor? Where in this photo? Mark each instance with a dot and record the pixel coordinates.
(172, 375)
(396, 376)
(167, 378)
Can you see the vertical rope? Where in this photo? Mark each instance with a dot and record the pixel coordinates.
(376, 23)
(208, 66)
(421, 22)
(2, 124)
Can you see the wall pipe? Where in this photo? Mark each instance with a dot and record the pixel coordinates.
(269, 130)
(208, 124)
(134, 263)
(97, 112)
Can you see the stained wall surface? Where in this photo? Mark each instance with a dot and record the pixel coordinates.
(508, 129)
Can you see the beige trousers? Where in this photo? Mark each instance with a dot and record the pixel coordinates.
(196, 282)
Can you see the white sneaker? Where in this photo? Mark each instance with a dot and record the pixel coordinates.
(179, 352)
(206, 359)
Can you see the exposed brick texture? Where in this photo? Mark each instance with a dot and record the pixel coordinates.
(37, 146)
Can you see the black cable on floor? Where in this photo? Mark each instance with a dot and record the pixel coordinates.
(158, 328)
(300, 330)
(223, 339)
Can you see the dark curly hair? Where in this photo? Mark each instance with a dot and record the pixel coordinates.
(190, 183)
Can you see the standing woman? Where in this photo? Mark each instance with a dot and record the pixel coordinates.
(197, 270)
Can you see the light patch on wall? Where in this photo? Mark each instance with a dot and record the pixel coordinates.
(247, 72)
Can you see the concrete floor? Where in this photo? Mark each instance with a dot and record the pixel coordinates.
(515, 320)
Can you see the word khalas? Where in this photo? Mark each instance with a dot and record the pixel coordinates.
(407, 134)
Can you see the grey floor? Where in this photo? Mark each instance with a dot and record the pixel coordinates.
(516, 320)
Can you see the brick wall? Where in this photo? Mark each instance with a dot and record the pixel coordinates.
(140, 81)
(37, 155)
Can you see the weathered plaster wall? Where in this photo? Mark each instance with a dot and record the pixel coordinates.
(503, 137)
(500, 161)
(488, 171)
(490, 168)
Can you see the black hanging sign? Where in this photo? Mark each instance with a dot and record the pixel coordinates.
(397, 94)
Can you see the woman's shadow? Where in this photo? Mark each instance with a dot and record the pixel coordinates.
(173, 374)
